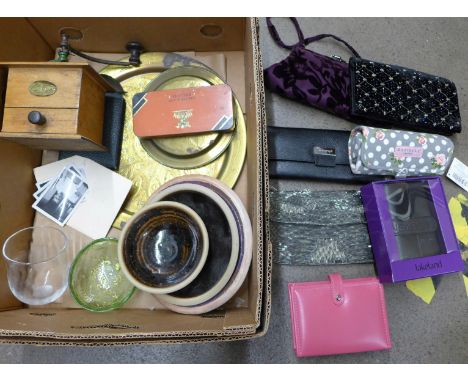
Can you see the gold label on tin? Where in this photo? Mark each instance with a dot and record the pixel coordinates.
(42, 88)
(182, 116)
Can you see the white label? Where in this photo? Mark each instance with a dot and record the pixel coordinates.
(458, 172)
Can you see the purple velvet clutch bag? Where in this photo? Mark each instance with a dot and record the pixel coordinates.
(310, 77)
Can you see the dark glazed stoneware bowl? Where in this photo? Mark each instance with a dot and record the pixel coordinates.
(245, 241)
(223, 236)
(163, 247)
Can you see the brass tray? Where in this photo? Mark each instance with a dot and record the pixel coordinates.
(189, 151)
(137, 165)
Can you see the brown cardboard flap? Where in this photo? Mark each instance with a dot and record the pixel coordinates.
(110, 35)
(20, 42)
(78, 323)
(267, 266)
(122, 341)
(17, 187)
(255, 169)
(236, 75)
(238, 319)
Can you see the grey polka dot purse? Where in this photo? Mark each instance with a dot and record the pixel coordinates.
(375, 151)
(393, 95)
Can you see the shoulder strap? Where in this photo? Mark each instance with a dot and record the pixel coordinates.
(274, 33)
(303, 41)
(321, 36)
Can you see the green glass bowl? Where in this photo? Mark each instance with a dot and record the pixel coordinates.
(96, 280)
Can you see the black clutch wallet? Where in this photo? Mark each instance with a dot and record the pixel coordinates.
(114, 116)
(394, 95)
(310, 154)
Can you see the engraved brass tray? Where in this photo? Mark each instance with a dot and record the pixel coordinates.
(137, 165)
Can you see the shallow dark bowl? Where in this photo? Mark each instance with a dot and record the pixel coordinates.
(163, 247)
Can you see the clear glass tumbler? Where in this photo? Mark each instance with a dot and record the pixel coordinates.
(37, 264)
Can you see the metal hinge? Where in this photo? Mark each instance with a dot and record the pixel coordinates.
(337, 58)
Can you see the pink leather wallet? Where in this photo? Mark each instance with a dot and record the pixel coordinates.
(338, 316)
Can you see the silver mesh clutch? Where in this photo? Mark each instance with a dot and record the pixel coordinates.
(318, 227)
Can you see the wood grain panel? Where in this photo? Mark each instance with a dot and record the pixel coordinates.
(92, 100)
(67, 81)
(58, 121)
(66, 142)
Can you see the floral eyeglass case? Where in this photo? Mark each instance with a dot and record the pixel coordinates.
(375, 151)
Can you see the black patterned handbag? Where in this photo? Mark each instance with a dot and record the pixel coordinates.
(394, 95)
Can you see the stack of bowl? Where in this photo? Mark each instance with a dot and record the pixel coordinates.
(191, 245)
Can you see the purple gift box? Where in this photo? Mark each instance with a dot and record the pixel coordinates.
(410, 229)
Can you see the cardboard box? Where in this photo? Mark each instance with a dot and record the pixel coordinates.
(410, 229)
(237, 38)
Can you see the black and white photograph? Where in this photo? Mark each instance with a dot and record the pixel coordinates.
(40, 185)
(41, 189)
(62, 196)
